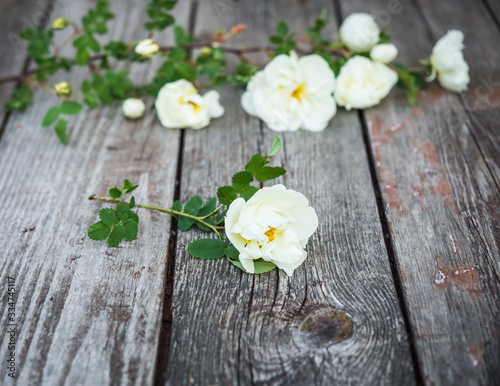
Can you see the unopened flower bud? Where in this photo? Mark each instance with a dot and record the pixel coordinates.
(133, 108)
(147, 48)
(59, 23)
(62, 88)
(205, 51)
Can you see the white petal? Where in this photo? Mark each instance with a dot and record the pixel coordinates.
(215, 110)
(317, 74)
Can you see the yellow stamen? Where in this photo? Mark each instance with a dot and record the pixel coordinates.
(195, 106)
(299, 91)
(271, 234)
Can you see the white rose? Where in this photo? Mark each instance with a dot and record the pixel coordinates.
(359, 32)
(448, 62)
(362, 83)
(133, 108)
(274, 225)
(147, 48)
(292, 93)
(179, 105)
(384, 53)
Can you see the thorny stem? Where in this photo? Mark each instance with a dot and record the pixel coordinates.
(171, 212)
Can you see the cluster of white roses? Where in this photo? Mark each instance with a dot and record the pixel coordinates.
(293, 93)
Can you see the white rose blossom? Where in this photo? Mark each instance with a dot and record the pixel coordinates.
(133, 108)
(448, 62)
(147, 48)
(359, 32)
(274, 225)
(292, 93)
(384, 53)
(179, 105)
(362, 83)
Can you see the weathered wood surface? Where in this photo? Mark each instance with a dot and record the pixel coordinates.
(85, 314)
(21, 14)
(231, 328)
(440, 199)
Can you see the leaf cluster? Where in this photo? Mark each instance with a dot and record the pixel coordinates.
(256, 169)
(159, 18)
(284, 41)
(411, 81)
(53, 114)
(196, 207)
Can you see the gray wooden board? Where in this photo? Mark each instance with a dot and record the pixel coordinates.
(85, 313)
(229, 327)
(442, 204)
(17, 15)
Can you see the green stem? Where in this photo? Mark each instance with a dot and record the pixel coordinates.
(171, 212)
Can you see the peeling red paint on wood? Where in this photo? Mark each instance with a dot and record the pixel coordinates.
(462, 277)
(476, 353)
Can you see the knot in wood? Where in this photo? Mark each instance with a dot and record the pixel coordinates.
(326, 327)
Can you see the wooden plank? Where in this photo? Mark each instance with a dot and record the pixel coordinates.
(85, 313)
(16, 16)
(232, 328)
(442, 206)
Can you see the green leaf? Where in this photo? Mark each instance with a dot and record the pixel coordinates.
(208, 208)
(125, 213)
(116, 235)
(260, 266)
(267, 173)
(82, 57)
(186, 70)
(128, 186)
(51, 116)
(275, 147)
(384, 37)
(182, 38)
(98, 231)
(203, 227)
(192, 207)
(231, 252)
(132, 202)
(241, 180)
(130, 227)
(249, 192)
(282, 29)
(208, 249)
(60, 129)
(115, 192)
(255, 164)
(70, 107)
(177, 206)
(226, 195)
(108, 216)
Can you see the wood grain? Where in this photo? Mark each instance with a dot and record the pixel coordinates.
(232, 328)
(86, 314)
(442, 206)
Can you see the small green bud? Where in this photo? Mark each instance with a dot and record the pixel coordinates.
(59, 23)
(62, 88)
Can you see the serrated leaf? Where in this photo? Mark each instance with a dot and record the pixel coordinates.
(255, 164)
(203, 227)
(275, 147)
(193, 206)
(70, 107)
(208, 249)
(132, 202)
(115, 192)
(51, 116)
(128, 186)
(267, 173)
(60, 129)
(226, 195)
(98, 231)
(260, 266)
(108, 216)
(130, 227)
(249, 192)
(208, 208)
(124, 212)
(177, 206)
(231, 252)
(241, 180)
(116, 235)
(220, 218)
